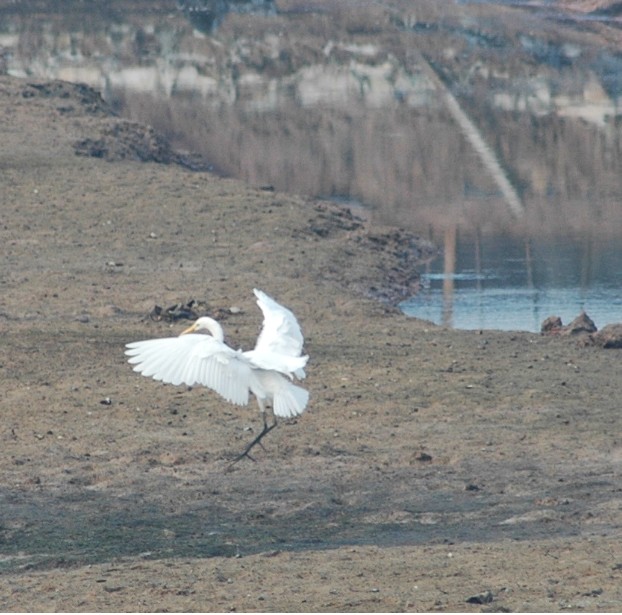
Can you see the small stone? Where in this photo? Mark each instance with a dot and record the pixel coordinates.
(111, 589)
(483, 598)
(581, 324)
(423, 457)
(610, 336)
(551, 325)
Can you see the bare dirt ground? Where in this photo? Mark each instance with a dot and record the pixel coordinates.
(434, 469)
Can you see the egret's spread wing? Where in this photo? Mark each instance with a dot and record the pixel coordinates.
(281, 332)
(280, 341)
(194, 359)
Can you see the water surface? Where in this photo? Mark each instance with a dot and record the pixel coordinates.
(508, 283)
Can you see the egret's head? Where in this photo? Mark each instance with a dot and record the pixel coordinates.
(205, 323)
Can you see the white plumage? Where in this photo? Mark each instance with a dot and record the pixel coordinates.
(267, 371)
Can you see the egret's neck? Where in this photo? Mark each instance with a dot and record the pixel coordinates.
(216, 330)
(209, 324)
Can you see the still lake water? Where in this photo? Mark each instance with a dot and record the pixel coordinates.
(451, 121)
(512, 285)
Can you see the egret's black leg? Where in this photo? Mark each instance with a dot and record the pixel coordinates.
(246, 452)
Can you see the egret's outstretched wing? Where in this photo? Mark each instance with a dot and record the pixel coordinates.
(194, 359)
(280, 332)
(280, 335)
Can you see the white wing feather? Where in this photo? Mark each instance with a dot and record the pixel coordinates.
(280, 332)
(280, 337)
(194, 359)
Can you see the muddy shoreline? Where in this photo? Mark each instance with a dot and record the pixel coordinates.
(434, 470)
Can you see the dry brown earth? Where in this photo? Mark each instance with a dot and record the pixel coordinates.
(434, 470)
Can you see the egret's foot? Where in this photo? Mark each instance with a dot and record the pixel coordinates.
(246, 452)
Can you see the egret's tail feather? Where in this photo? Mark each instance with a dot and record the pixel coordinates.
(290, 400)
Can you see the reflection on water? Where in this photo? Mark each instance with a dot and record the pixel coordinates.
(208, 15)
(506, 283)
(436, 115)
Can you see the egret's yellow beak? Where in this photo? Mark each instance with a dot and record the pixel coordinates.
(191, 329)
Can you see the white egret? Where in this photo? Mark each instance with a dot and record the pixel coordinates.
(266, 371)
